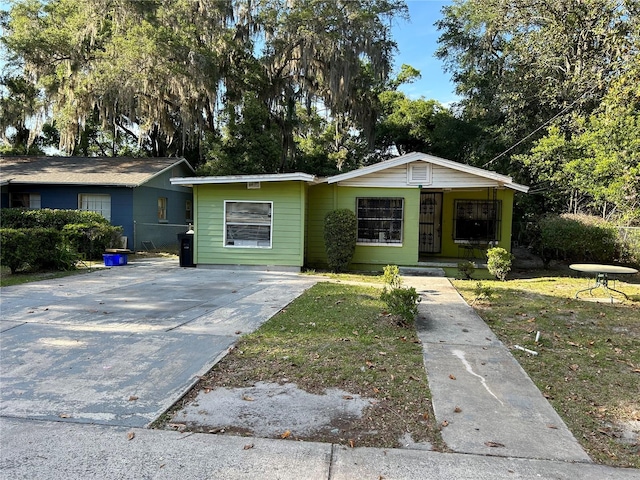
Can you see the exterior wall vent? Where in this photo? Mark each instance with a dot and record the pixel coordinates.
(253, 185)
(419, 173)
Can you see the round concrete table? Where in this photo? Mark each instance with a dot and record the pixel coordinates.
(602, 273)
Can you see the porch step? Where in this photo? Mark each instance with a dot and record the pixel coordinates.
(422, 271)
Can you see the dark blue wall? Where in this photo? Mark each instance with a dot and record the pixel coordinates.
(66, 197)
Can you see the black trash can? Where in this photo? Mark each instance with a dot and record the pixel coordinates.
(185, 240)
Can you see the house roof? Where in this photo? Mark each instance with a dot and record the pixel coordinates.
(108, 171)
(267, 177)
(499, 179)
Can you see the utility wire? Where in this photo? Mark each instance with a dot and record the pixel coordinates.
(562, 112)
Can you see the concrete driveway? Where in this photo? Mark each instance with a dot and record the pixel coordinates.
(119, 346)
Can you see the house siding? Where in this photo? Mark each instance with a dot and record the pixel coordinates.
(288, 224)
(452, 249)
(324, 198)
(441, 177)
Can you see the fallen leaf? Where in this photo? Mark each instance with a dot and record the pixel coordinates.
(248, 446)
(452, 377)
(425, 415)
(247, 398)
(64, 415)
(457, 410)
(552, 426)
(382, 353)
(238, 332)
(347, 397)
(493, 444)
(286, 434)
(574, 367)
(133, 398)
(444, 423)
(352, 444)
(131, 435)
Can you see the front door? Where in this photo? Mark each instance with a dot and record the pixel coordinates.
(430, 222)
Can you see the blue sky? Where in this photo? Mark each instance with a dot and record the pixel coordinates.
(417, 42)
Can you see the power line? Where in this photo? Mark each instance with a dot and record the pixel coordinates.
(562, 112)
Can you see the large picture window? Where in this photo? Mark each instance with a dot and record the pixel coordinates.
(95, 203)
(247, 224)
(380, 220)
(477, 220)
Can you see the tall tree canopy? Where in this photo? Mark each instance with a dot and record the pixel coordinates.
(547, 74)
(167, 71)
(517, 64)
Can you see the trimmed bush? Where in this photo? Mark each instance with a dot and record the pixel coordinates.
(35, 249)
(577, 238)
(499, 262)
(340, 235)
(47, 218)
(91, 240)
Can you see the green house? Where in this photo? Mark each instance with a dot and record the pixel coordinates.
(412, 210)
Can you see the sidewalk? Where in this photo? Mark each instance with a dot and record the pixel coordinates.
(44, 450)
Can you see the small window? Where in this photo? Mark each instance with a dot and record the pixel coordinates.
(188, 210)
(380, 220)
(477, 220)
(25, 200)
(248, 224)
(162, 209)
(101, 204)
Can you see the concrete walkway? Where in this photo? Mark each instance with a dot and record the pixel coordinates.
(65, 342)
(488, 403)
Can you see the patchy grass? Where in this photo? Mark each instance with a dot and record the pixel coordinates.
(335, 335)
(7, 278)
(588, 365)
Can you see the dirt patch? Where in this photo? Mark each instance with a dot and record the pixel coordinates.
(271, 410)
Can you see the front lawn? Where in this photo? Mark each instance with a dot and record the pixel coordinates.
(588, 362)
(335, 336)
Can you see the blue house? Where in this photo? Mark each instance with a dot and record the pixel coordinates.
(134, 193)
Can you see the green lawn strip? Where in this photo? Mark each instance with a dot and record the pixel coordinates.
(7, 279)
(588, 365)
(335, 336)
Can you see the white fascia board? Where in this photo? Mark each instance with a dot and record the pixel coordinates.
(376, 167)
(417, 156)
(226, 179)
(178, 162)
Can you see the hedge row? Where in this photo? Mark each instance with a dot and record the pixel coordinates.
(48, 218)
(582, 238)
(53, 239)
(34, 249)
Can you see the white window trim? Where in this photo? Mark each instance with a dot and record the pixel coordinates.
(224, 225)
(104, 196)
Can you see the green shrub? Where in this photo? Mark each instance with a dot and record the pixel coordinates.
(35, 249)
(466, 269)
(499, 262)
(48, 218)
(629, 246)
(482, 292)
(91, 240)
(340, 235)
(576, 238)
(401, 302)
